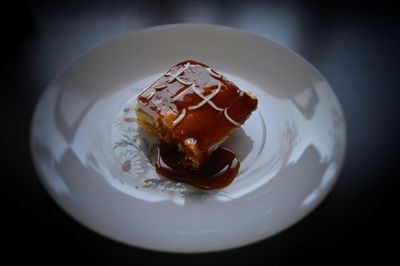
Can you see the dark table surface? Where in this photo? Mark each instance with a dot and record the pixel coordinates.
(354, 46)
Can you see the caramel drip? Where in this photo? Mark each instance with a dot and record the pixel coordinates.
(217, 172)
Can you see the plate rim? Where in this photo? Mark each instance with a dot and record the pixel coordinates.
(185, 26)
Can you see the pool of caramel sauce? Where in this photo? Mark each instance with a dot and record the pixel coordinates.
(217, 172)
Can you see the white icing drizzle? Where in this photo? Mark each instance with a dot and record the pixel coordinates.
(174, 76)
(156, 88)
(213, 73)
(183, 82)
(206, 99)
(230, 119)
(180, 118)
(160, 87)
(151, 94)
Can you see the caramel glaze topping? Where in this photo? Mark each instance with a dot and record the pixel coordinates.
(172, 95)
(200, 108)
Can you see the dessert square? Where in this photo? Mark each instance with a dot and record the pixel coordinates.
(194, 108)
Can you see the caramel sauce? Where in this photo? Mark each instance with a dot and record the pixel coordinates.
(196, 107)
(218, 171)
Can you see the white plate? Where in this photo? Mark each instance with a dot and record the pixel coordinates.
(93, 160)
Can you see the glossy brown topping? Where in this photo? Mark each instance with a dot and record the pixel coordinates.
(198, 105)
(218, 171)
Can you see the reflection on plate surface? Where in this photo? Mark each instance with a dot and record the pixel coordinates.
(97, 164)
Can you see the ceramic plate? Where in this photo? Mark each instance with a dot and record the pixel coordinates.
(98, 165)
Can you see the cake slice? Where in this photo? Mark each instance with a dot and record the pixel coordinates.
(194, 108)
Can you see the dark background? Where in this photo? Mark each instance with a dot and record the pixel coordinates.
(355, 46)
